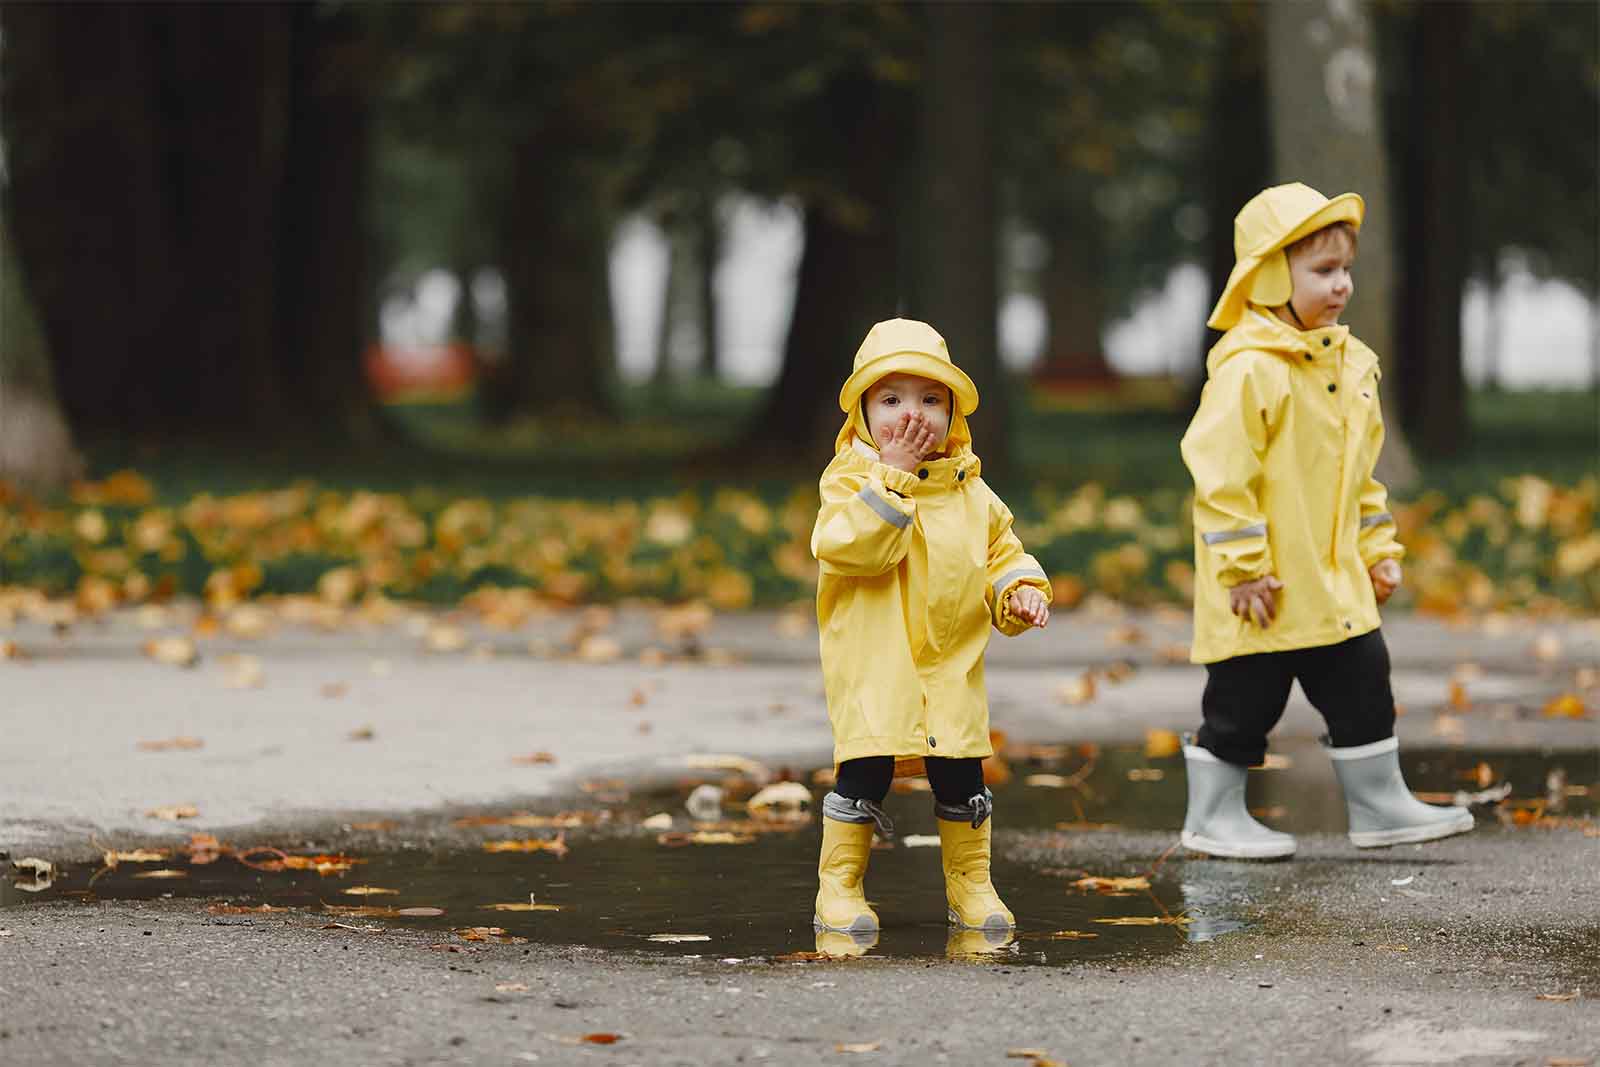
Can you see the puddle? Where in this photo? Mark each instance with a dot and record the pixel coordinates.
(617, 885)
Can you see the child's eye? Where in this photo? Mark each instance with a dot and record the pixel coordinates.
(933, 398)
(891, 401)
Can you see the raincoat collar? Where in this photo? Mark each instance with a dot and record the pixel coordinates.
(955, 470)
(1261, 331)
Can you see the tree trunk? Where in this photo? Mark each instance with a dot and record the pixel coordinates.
(1075, 305)
(559, 348)
(960, 283)
(36, 450)
(1238, 153)
(708, 252)
(1323, 102)
(87, 203)
(1433, 391)
(325, 303)
(843, 285)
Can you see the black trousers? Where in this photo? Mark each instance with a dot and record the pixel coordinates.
(954, 781)
(1348, 683)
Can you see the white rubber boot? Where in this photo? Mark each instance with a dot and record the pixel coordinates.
(1382, 809)
(1218, 823)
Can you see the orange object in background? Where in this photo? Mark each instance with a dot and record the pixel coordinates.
(399, 372)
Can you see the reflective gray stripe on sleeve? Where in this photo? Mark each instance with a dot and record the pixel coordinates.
(886, 511)
(1224, 536)
(1376, 520)
(1011, 576)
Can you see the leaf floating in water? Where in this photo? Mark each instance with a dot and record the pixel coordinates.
(165, 872)
(556, 845)
(1148, 920)
(674, 939)
(677, 838)
(369, 891)
(529, 906)
(112, 857)
(420, 913)
(1098, 884)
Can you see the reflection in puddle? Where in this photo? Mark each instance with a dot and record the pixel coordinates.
(617, 882)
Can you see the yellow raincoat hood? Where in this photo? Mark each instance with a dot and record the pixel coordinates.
(1282, 451)
(916, 569)
(904, 346)
(1269, 222)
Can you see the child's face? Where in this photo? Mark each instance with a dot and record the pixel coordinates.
(1320, 272)
(895, 395)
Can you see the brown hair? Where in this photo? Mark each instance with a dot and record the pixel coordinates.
(1317, 238)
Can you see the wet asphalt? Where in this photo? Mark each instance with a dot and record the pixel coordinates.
(1483, 949)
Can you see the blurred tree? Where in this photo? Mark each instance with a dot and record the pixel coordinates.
(156, 153)
(1428, 144)
(36, 448)
(1101, 127)
(1327, 131)
(531, 107)
(957, 287)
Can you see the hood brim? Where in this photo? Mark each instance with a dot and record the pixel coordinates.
(1346, 207)
(919, 363)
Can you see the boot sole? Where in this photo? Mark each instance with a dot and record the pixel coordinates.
(1233, 850)
(1410, 835)
(862, 924)
(993, 924)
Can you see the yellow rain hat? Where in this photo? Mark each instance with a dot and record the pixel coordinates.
(1268, 223)
(906, 346)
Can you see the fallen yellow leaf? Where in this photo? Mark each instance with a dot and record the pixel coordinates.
(176, 651)
(174, 812)
(529, 906)
(165, 872)
(1159, 744)
(1558, 996)
(171, 744)
(369, 891)
(533, 759)
(1566, 706)
(859, 1046)
(674, 939)
(1148, 920)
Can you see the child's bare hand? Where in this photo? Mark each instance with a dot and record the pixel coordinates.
(1029, 605)
(1257, 600)
(907, 442)
(1386, 578)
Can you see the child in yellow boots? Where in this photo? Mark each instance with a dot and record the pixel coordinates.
(918, 561)
(1294, 544)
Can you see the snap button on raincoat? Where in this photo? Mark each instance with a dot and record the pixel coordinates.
(1282, 451)
(915, 570)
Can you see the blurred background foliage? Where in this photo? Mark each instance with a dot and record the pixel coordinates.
(222, 227)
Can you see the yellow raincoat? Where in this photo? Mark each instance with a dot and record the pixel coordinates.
(1282, 451)
(915, 568)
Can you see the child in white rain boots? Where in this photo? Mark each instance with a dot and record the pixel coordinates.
(1294, 544)
(918, 561)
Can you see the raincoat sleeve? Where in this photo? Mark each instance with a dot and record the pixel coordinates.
(1224, 449)
(866, 521)
(1009, 566)
(1378, 531)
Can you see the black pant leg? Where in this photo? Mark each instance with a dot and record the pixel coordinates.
(1244, 699)
(955, 781)
(865, 778)
(1348, 684)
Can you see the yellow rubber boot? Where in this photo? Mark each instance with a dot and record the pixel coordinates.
(841, 896)
(973, 902)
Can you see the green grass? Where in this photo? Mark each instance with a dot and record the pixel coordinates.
(1127, 448)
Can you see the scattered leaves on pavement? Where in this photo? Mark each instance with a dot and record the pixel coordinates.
(174, 812)
(556, 845)
(171, 744)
